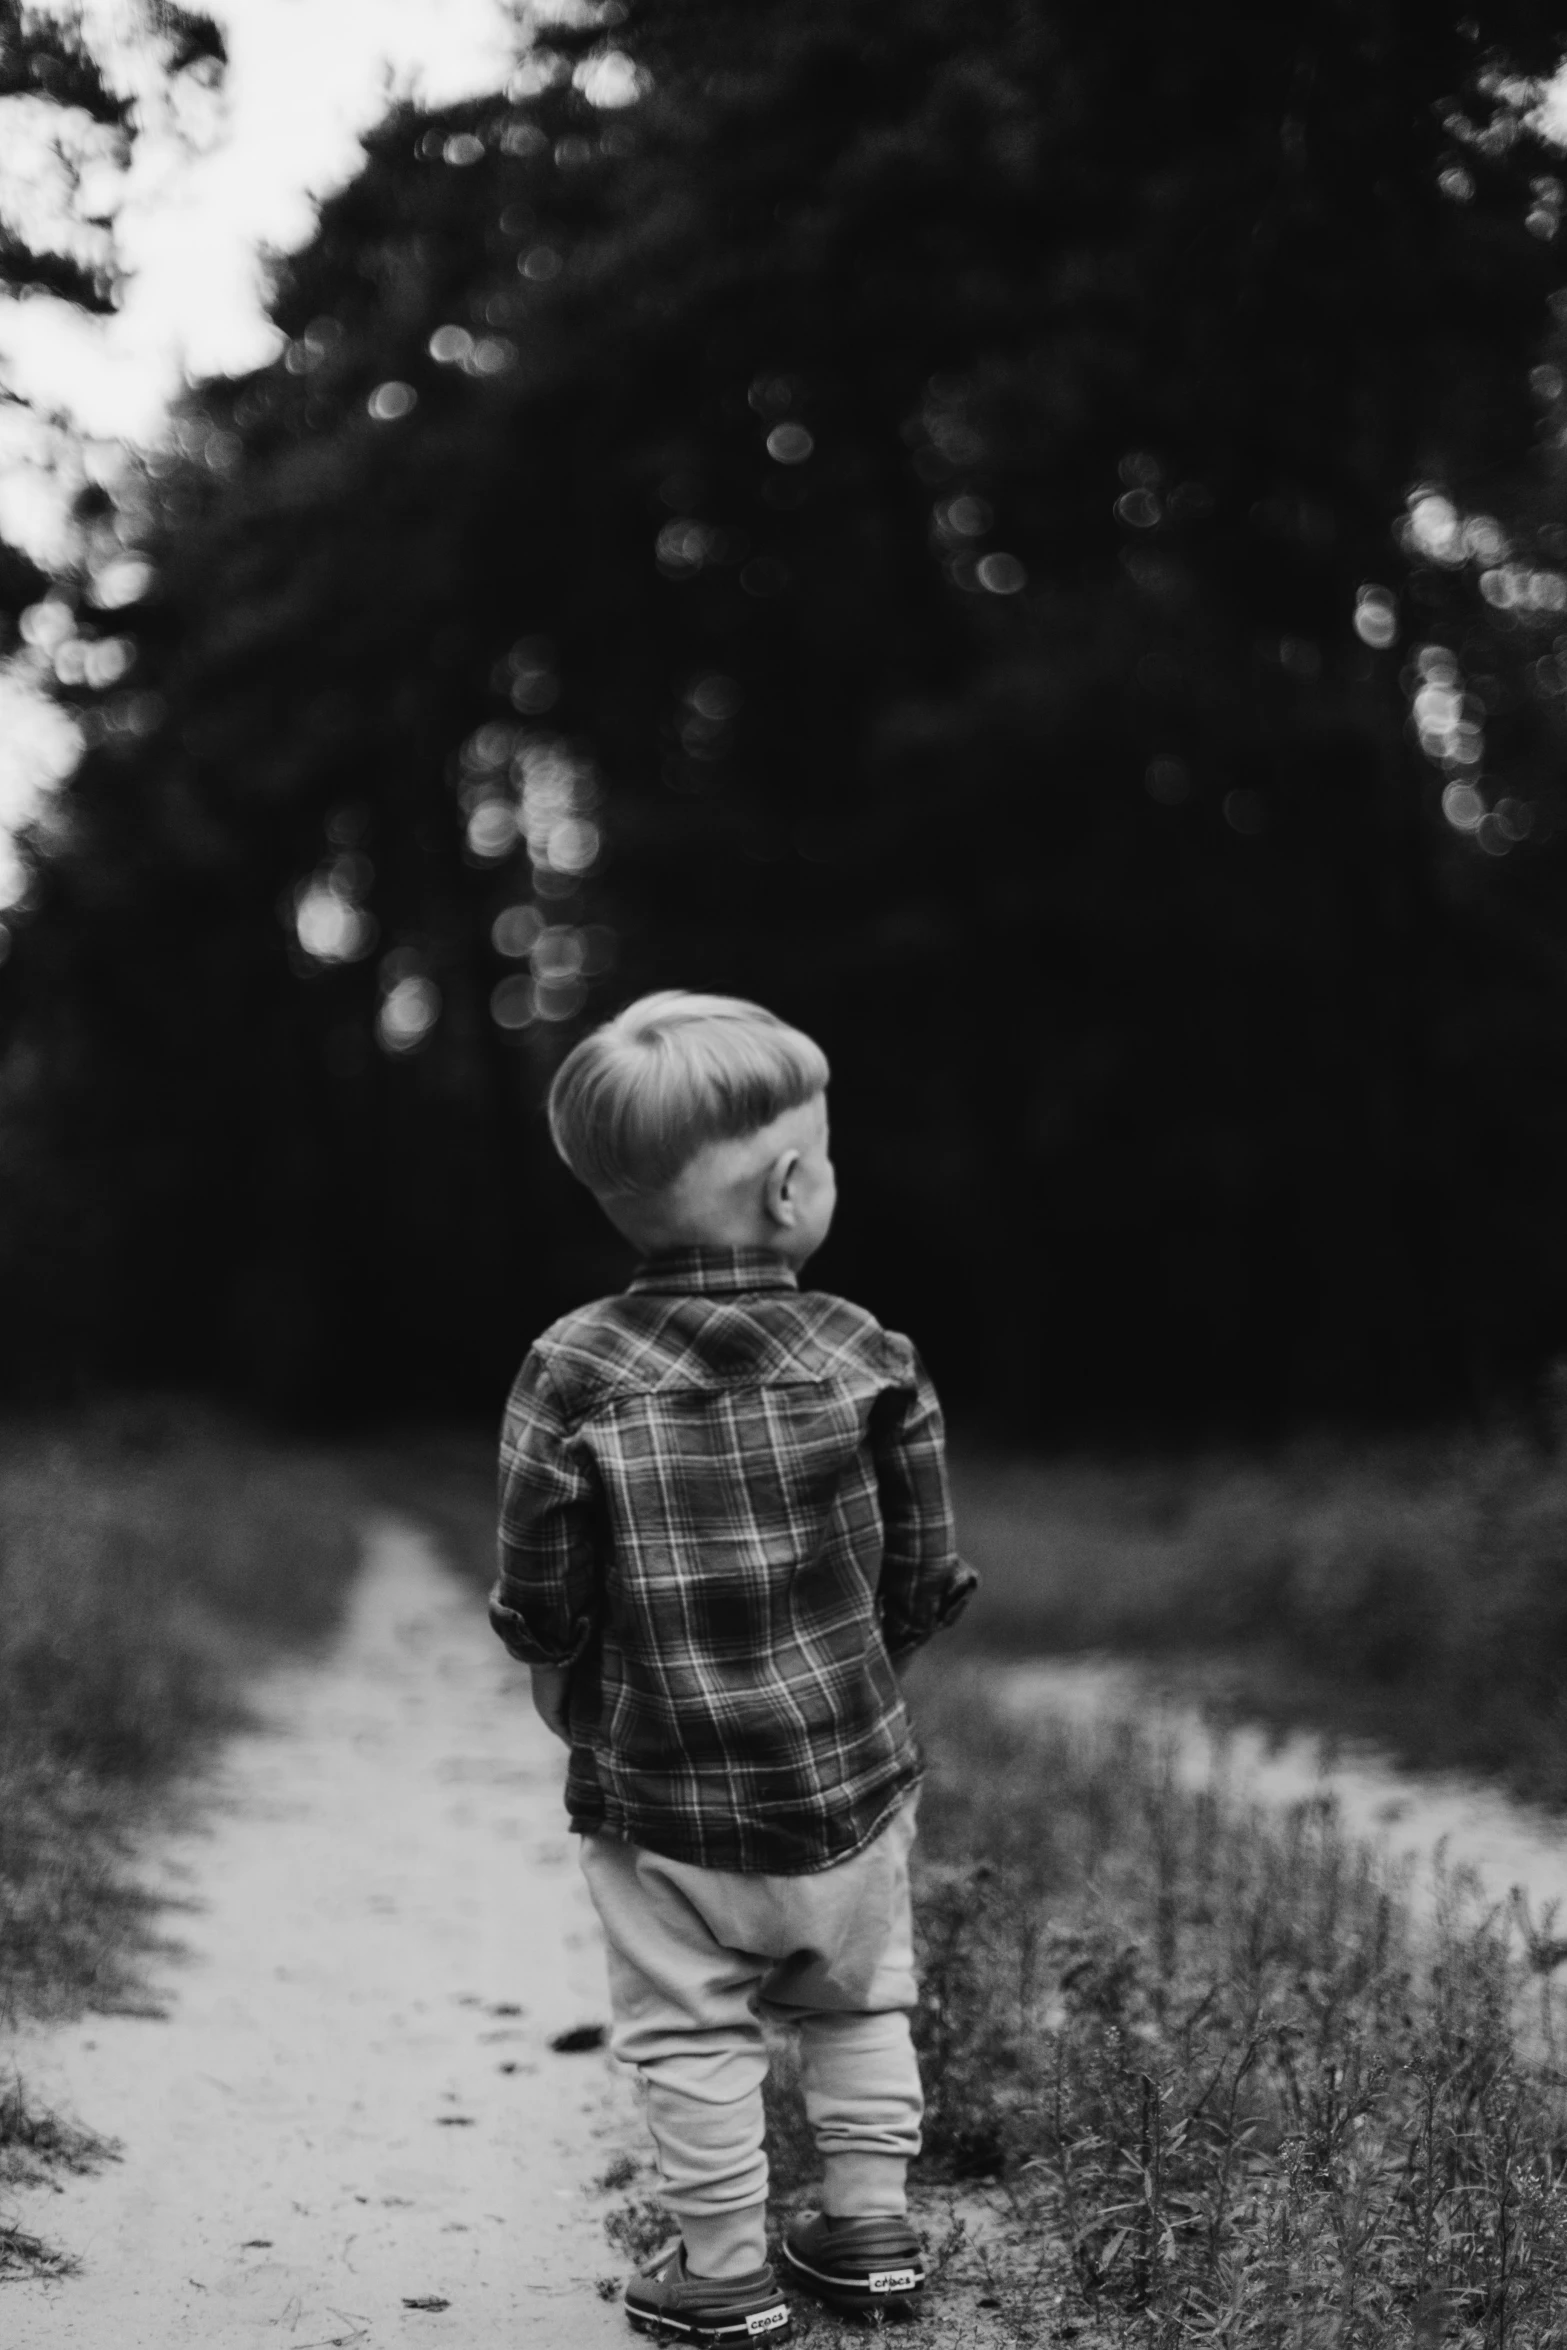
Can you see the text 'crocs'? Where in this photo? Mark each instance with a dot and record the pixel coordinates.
(865, 2267)
(664, 2298)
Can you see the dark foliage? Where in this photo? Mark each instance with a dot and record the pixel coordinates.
(940, 493)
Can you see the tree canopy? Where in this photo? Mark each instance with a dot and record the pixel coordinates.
(1038, 553)
(68, 124)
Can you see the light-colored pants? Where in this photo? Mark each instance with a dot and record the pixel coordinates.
(697, 1955)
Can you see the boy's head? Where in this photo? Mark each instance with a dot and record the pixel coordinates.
(700, 1118)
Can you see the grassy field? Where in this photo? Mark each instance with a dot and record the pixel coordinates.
(1200, 2074)
(149, 1560)
(1232, 2089)
(1413, 1592)
(1204, 2074)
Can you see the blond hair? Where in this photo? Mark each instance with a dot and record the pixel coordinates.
(634, 1102)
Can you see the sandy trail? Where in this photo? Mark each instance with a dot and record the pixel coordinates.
(352, 2103)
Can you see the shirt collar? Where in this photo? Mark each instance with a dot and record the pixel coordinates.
(713, 1272)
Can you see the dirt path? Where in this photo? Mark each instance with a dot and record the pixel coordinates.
(352, 2105)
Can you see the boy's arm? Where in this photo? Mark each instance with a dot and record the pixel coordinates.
(924, 1583)
(544, 1603)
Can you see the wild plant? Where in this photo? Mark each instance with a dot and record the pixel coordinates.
(148, 1560)
(1229, 2078)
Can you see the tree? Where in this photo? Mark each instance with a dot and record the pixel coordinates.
(70, 117)
(54, 84)
(936, 521)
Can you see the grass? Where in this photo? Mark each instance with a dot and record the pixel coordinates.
(34, 2148)
(1413, 1592)
(149, 1560)
(1202, 2074)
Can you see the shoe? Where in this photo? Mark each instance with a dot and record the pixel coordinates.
(866, 2267)
(664, 2298)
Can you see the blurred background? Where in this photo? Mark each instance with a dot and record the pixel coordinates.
(1040, 554)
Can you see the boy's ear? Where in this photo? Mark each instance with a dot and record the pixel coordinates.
(778, 1189)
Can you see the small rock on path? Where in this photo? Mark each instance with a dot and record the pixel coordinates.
(350, 2128)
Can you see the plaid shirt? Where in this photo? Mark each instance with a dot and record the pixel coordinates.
(724, 1506)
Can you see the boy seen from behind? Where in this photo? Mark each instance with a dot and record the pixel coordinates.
(724, 1525)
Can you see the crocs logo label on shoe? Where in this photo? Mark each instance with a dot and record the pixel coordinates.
(767, 2321)
(892, 2280)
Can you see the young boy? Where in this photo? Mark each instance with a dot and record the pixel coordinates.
(724, 1522)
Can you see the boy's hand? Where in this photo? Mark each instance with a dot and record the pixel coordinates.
(551, 1689)
(506, 1621)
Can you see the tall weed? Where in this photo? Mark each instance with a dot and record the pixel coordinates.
(1233, 2087)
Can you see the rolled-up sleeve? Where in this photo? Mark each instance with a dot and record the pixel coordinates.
(545, 1602)
(924, 1583)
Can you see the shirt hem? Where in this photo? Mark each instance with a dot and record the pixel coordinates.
(649, 1840)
